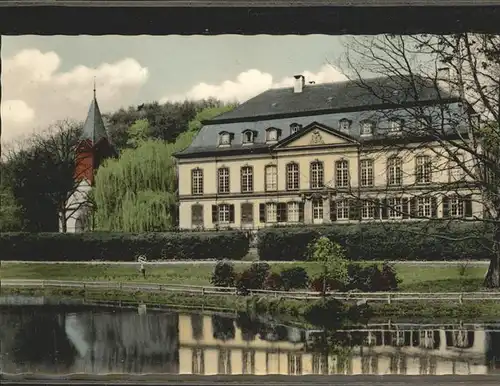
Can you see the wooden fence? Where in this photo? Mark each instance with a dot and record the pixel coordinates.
(387, 297)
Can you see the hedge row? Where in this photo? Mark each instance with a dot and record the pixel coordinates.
(122, 246)
(379, 242)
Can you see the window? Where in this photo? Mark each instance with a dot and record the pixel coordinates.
(424, 207)
(271, 212)
(248, 136)
(396, 126)
(223, 180)
(224, 361)
(320, 364)
(247, 213)
(394, 171)
(246, 179)
(343, 209)
(317, 175)
(197, 215)
(198, 361)
(366, 128)
(342, 173)
(424, 169)
(248, 360)
(368, 210)
(294, 128)
(281, 212)
(271, 172)
(366, 172)
(197, 181)
(344, 125)
(395, 208)
(272, 135)
(225, 138)
(294, 364)
(456, 207)
(292, 176)
(224, 214)
(293, 211)
(456, 168)
(317, 207)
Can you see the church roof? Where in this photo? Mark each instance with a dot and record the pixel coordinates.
(94, 129)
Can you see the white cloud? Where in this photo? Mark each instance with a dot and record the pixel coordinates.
(252, 82)
(35, 93)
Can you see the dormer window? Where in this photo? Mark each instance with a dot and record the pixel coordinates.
(272, 134)
(344, 124)
(294, 128)
(225, 138)
(396, 125)
(248, 136)
(367, 128)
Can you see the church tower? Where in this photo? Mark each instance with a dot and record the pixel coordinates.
(94, 147)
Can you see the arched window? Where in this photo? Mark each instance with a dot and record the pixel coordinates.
(292, 176)
(317, 176)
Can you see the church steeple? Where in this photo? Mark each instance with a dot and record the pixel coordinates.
(94, 129)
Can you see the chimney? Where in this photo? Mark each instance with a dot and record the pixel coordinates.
(300, 81)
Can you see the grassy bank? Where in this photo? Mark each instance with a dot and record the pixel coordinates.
(286, 309)
(415, 278)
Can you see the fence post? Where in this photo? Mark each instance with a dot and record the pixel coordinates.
(461, 299)
(389, 300)
(202, 291)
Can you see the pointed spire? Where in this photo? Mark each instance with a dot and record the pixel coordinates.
(94, 129)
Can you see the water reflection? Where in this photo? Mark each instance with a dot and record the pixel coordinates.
(50, 340)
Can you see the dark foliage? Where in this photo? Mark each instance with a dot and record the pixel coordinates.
(379, 241)
(294, 278)
(223, 327)
(122, 246)
(223, 274)
(253, 277)
(274, 282)
(371, 278)
(318, 283)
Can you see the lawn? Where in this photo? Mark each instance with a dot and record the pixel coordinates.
(414, 278)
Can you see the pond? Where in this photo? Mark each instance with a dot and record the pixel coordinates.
(96, 340)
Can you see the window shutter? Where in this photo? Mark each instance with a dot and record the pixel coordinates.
(231, 213)
(434, 207)
(301, 212)
(262, 213)
(413, 207)
(406, 213)
(446, 207)
(384, 213)
(214, 214)
(468, 206)
(333, 210)
(354, 209)
(376, 209)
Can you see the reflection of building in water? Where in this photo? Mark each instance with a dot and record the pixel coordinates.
(211, 345)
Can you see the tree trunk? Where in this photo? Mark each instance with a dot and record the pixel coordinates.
(492, 278)
(62, 220)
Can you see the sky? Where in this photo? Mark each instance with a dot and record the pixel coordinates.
(46, 79)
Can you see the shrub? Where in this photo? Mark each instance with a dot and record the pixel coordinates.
(274, 282)
(223, 274)
(399, 241)
(253, 277)
(319, 283)
(390, 280)
(122, 246)
(371, 278)
(331, 255)
(294, 278)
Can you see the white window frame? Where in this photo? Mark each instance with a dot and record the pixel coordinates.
(225, 139)
(317, 175)
(292, 176)
(293, 211)
(223, 180)
(271, 212)
(272, 135)
(457, 206)
(342, 173)
(344, 125)
(197, 181)
(423, 170)
(246, 179)
(367, 129)
(368, 210)
(223, 214)
(317, 210)
(294, 364)
(424, 207)
(367, 172)
(395, 208)
(343, 209)
(394, 171)
(271, 172)
(248, 136)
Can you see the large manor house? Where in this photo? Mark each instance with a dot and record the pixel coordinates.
(313, 154)
(326, 153)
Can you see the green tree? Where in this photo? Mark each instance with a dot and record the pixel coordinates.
(138, 132)
(10, 211)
